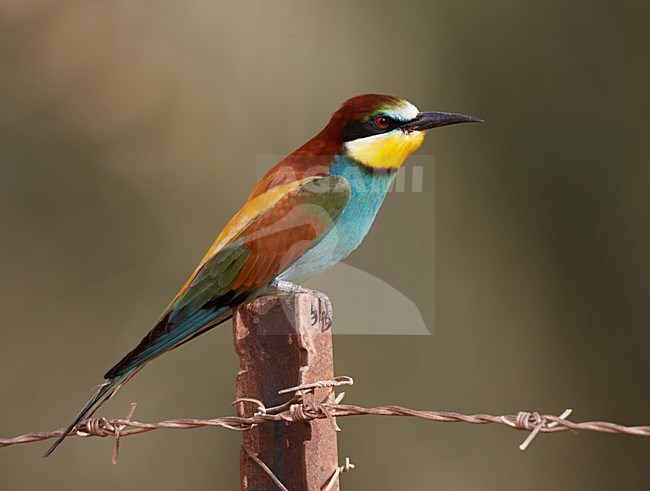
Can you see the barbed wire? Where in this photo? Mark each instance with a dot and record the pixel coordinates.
(329, 484)
(298, 410)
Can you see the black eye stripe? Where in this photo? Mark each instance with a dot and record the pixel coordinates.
(361, 129)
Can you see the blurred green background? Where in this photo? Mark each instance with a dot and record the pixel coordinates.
(130, 132)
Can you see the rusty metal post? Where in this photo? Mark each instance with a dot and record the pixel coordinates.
(279, 348)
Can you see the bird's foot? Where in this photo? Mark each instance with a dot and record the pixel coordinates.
(322, 311)
(321, 307)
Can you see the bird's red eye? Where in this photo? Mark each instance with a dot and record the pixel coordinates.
(381, 122)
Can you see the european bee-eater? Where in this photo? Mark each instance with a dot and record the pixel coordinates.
(307, 213)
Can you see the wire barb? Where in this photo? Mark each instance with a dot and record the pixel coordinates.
(348, 466)
(118, 430)
(321, 384)
(523, 422)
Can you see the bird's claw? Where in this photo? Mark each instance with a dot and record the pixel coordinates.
(321, 309)
(314, 314)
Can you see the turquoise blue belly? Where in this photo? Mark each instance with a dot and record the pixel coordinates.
(368, 191)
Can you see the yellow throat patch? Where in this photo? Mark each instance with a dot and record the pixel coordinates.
(385, 151)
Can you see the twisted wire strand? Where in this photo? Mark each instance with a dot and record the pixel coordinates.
(298, 410)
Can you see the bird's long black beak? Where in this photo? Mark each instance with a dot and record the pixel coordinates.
(426, 121)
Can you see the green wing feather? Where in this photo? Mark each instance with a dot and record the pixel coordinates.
(262, 250)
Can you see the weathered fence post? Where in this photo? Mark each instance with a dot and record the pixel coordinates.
(279, 348)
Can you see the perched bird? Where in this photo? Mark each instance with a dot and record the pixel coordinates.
(307, 213)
